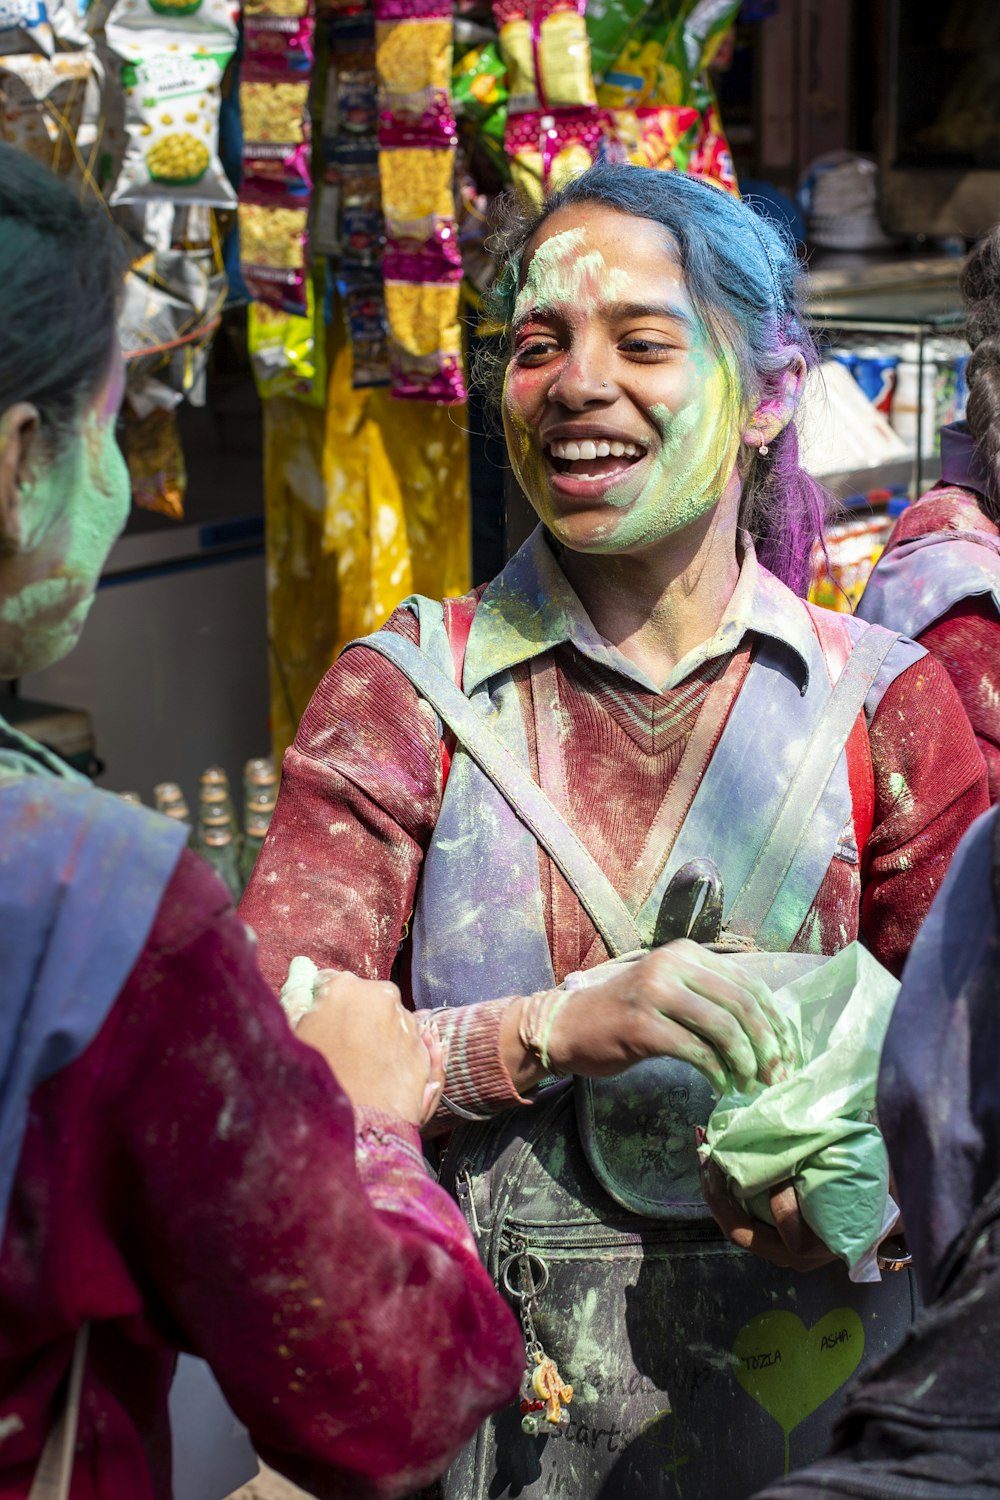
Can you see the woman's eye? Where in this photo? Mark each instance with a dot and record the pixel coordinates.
(645, 347)
(533, 352)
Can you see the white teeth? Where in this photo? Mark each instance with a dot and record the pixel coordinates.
(595, 448)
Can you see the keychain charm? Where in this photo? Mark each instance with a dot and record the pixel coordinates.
(544, 1393)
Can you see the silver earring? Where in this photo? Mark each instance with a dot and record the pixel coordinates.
(763, 450)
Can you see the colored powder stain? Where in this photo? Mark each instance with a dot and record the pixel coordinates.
(75, 509)
(900, 791)
(688, 472)
(587, 1352)
(559, 274)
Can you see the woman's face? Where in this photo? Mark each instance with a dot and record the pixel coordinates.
(621, 419)
(71, 509)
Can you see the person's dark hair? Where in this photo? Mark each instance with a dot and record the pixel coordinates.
(980, 286)
(743, 277)
(60, 266)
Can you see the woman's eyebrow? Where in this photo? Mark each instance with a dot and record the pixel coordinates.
(616, 310)
(539, 310)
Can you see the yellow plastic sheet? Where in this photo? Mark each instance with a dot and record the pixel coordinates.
(365, 503)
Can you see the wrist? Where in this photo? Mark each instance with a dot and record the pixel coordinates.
(523, 1065)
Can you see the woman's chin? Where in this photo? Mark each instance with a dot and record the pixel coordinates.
(19, 658)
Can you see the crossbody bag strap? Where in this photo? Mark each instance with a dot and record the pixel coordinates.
(54, 1473)
(593, 889)
(791, 828)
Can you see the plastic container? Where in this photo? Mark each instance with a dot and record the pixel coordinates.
(915, 399)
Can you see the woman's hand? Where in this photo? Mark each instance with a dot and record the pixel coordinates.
(381, 1057)
(789, 1242)
(680, 1001)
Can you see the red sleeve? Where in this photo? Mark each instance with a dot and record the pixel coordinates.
(966, 641)
(360, 794)
(353, 1329)
(930, 784)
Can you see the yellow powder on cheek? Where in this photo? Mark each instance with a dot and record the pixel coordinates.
(525, 456)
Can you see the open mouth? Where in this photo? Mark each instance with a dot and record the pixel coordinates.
(594, 459)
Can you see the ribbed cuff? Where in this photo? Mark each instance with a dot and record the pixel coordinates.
(478, 1082)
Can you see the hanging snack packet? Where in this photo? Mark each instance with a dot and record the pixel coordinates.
(276, 8)
(548, 151)
(425, 340)
(351, 104)
(276, 133)
(418, 201)
(368, 329)
(545, 47)
(278, 47)
(361, 228)
(413, 56)
(659, 138)
(479, 89)
(42, 102)
(25, 27)
(152, 447)
(609, 26)
(273, 249)
(288, 352)
(136, 28)
(172, 121)
(711, 157)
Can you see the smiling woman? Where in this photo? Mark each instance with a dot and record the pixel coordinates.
(637, 737)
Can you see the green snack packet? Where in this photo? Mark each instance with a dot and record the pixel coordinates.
(288, 352)
(817, 1128)
(479, 89)
(609, 26)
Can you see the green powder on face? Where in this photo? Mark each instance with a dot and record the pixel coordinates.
(559, 274)
(687, 473)
(73, 512)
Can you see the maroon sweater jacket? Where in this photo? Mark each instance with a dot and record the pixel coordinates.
(362, 785)
(190, 1182)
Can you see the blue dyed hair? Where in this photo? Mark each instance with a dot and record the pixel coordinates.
(745, 282)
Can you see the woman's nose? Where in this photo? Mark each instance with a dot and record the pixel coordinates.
(580, 383)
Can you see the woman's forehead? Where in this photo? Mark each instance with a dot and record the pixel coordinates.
(586, 256)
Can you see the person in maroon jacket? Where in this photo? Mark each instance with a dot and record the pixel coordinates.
(644, 694)
(178, 1171)
(938, 579)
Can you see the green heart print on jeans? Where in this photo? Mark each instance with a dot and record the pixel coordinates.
(790, 1370)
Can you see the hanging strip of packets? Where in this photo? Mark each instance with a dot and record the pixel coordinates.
(348, 225)
(275, 196)
(417, 139)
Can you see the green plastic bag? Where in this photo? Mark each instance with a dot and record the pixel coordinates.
(817, 1127)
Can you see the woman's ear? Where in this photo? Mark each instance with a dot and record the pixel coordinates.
(776, 410)
(20, 430)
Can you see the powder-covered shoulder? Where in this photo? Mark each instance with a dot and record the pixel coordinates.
(193, 900)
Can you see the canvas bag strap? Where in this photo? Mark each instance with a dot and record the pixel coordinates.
(593, 889)
(792, 825)
(54, 1473)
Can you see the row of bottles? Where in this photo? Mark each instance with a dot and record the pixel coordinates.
(215, 829)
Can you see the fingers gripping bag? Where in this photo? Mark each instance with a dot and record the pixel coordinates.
(817, 1127)
(172, 102)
